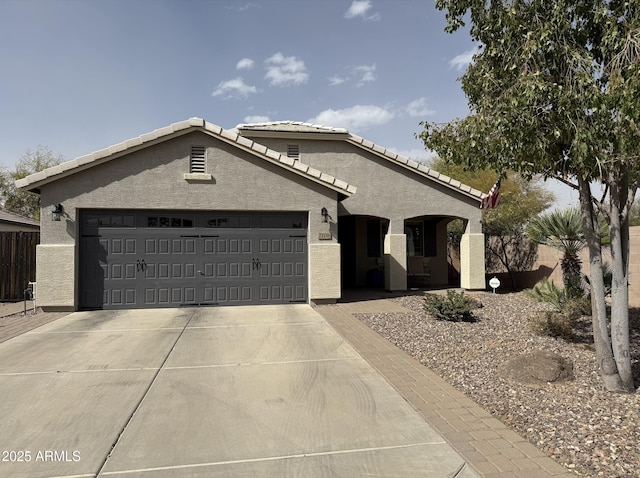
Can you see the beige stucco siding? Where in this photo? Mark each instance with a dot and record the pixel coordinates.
(390, 190)
(153, 178)
(384, 189)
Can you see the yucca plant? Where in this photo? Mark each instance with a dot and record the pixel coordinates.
(562, 230)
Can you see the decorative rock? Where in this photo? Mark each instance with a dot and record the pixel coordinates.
(538, 368)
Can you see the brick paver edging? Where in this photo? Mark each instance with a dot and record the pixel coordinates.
(13, 325)
(487, 444)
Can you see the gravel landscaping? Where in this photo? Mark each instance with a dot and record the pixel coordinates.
(591, 431)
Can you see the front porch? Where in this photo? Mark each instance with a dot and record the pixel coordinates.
(400, 255)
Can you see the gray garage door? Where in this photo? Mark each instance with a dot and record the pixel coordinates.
(146, 259)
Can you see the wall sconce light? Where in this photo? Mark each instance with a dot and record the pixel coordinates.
(325, 214)
(57, 212)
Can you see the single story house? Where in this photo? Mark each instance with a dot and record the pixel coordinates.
(10, 222)
(279, 212)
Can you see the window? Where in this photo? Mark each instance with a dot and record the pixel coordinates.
(169, 221)
(293, 151)
(115, 220)
(229, 221)
(198, 163)
(414, 232)
(422, 238)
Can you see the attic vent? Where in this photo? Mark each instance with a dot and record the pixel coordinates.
(198, 162)
(293, 151)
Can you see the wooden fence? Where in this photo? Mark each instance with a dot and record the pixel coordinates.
(17, 263)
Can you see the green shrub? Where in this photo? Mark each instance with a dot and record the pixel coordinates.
(554, 324)
(547, 291)
(562, 321)
(455, 306)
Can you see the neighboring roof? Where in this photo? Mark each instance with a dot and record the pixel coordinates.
(35, 181)
(341, 133)
(7, 217)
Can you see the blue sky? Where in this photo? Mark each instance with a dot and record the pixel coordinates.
(80, 75)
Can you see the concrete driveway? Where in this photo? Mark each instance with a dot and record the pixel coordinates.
(269, 391)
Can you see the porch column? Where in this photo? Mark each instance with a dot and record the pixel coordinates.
(472, 261)
(395, 262)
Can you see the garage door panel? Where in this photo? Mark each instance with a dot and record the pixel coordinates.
(151, 266)
(117, 297)
(130, 271)
(177, 271)
(117, 272)
(130, 246)
(130, 297)
(116, 246)
(163, 246)
(209, 246)
(163, 295)
(150, 246)
(150, 296)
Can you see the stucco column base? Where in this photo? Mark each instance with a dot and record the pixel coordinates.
(472, 262)
(395, 262)
(55, 276)
(324, 271)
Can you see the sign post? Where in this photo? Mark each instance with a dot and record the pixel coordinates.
(494, 283)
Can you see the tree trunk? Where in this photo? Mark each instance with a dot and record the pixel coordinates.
(619, 230)
(601, 339)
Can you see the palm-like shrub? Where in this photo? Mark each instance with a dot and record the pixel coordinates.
(562, 230)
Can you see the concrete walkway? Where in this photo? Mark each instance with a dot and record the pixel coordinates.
(488, 445)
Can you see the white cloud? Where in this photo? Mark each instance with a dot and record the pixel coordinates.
(359, 8)
(359, 74)
(283, 71)
(235, 88)
(366, 74)
(336, 80)
(245, 64)
(419, 108)
(256, 119)
(461, 61)
(359, 117)
(420, 155)
(242, 8)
